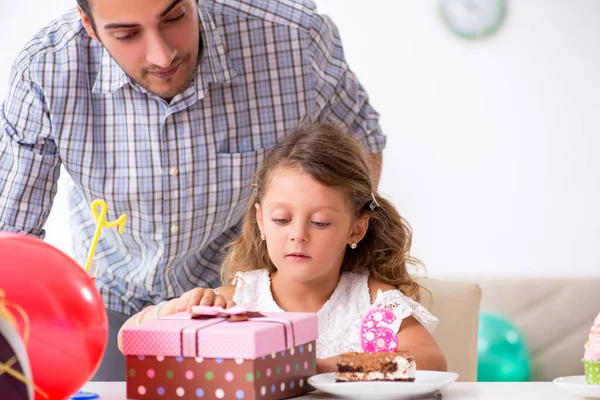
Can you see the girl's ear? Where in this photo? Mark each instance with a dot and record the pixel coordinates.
(259, 220)
(359, 230)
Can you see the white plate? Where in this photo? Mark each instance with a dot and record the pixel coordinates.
(426, 383)
(577, 386)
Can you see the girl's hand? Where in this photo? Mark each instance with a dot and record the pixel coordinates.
(195, 297)
(327, 364)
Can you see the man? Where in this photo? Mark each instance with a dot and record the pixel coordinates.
(164, 108)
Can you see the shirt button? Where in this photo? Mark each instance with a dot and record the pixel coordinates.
(174, 171)
(174, 229)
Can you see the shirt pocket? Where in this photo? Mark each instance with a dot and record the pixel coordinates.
(235, 175)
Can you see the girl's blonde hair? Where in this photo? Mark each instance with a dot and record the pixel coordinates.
(336, 159)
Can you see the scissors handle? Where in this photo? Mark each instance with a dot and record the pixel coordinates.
(81, 395)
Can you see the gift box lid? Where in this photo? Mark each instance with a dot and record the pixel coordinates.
(220, 337)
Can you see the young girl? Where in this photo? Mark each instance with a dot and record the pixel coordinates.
(317, 238)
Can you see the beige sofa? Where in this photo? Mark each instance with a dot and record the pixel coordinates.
(553, 314)
(456, 304)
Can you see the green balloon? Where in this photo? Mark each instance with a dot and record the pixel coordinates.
(502, 354)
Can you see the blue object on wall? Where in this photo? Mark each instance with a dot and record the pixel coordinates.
(502, 354)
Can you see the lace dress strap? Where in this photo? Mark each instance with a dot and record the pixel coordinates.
(340, 317)
(403, 306)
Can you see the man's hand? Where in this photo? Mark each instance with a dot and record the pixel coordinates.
(376, 165)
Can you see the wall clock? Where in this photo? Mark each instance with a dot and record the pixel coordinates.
(472, 19)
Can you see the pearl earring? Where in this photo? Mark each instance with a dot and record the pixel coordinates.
(262, 237)
(353, 246)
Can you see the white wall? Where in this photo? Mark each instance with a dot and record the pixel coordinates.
(20, 21)
(491, 144)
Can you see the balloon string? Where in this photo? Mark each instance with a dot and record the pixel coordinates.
(4, 367)
(6, 314)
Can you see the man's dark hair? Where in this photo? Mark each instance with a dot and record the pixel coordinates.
(85, 6)
(87, 9)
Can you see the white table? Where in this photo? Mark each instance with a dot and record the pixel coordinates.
(457, 390)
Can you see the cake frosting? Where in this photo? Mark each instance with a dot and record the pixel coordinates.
(592, 346)
(383, 366)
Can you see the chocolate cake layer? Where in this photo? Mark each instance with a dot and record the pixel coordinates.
(384, 366)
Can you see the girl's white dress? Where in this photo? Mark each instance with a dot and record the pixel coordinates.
(341, 316)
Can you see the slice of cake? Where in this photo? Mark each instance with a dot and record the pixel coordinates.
(383, 366)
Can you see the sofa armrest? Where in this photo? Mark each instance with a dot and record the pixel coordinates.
(456, 304)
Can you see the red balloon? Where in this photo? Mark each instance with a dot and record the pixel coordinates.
(68, 321)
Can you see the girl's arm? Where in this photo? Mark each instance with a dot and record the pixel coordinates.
(223, 297)
(416, 339)
(413, 336)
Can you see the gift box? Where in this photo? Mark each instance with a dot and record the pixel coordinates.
(253, 356)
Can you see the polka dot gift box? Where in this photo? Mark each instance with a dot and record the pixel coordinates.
(252, 356)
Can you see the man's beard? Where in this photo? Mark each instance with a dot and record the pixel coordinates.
(182, 88)
(169, 95)
(172, 93)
